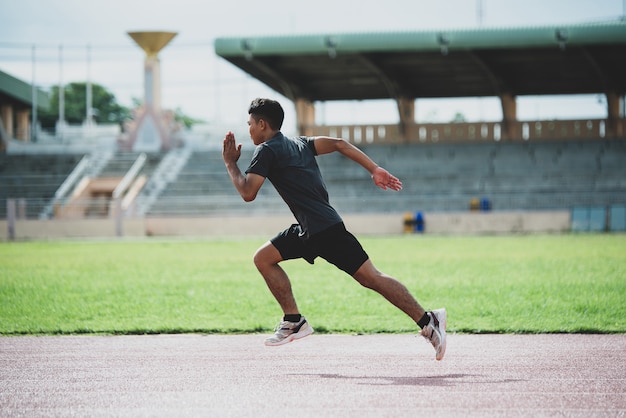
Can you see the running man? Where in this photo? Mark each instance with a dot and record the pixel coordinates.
(290, 165)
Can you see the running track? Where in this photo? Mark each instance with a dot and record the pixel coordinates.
(319, 376)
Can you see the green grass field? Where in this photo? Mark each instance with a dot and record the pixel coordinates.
(502, 284)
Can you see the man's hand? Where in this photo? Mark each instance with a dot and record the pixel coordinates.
(383, 179)
(230, 151)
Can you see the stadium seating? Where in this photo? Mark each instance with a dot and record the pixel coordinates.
(33, 178)
(122, 161)
(436, 177)
(203, 187)
(512, 176)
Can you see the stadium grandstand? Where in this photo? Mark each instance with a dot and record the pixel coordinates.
(511, 165)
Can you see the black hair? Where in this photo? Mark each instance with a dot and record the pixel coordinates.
(269, 110)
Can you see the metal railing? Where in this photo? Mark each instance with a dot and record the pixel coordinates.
(540, 130)
(129, 177)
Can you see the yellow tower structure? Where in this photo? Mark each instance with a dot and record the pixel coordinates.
(152, 127)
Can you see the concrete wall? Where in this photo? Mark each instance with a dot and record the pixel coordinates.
(461, 223)
(497, 222)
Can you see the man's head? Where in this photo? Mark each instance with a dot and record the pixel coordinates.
(269, 110)
(266, 118)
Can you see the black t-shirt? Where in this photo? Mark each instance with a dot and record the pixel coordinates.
(289, 164)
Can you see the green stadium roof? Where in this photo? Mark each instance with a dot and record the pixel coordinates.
(563, 59)
(20, 93)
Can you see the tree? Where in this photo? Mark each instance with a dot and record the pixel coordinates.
(187, 121)
(105, 108)
(458, 118)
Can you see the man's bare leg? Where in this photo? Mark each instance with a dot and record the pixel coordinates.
(266, 260)
(391, 289)
(293, 326)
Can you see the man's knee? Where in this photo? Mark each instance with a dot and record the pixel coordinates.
(259, 258)
(266, 255)
(367, 275)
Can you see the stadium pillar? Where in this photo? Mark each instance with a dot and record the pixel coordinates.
(305, 117)
(4, 138)
(509, 115)
(6, 115)
(23, 131)
(406, 109)
(614, 128)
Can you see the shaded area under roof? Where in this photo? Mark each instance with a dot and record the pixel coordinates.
(547, 60)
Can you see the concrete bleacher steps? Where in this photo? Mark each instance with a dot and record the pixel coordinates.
(33, 179)
(556, 175)
(202, 186)
(436, 177)
(513, 176)
(121, 162)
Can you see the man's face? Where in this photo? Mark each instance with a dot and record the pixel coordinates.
(256, 130)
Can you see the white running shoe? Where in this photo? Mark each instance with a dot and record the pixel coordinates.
(288, 331)
(435, 331)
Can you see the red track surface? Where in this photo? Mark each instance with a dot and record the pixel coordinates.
(321, 375)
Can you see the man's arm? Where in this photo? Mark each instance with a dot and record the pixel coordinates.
(382, 178)
(247, 185)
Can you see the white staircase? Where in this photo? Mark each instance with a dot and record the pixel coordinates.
(90, 166)
(167, 171)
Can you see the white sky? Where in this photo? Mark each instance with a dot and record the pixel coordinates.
(207, 87)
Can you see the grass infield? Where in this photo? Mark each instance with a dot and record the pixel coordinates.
(488, 284)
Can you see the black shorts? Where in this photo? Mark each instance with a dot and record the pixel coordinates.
(335, 245)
